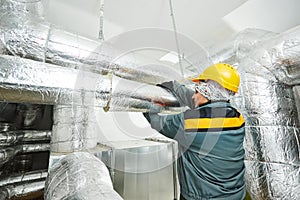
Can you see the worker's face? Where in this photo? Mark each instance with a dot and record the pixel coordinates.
(199, 99)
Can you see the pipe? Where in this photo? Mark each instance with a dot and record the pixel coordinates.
(25, 177)
(269, 71)
(8, 153)
(79, 175)
(22, 190)
(30, 148)
(13, 137)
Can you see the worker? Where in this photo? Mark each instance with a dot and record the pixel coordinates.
(210, 135)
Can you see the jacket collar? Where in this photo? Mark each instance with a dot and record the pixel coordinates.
(214, 103)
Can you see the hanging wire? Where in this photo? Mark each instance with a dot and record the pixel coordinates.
(176, 38)
(101, 34)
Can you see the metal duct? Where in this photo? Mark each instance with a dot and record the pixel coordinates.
(236, 48)
(81, 92)
(275, 131)
(25, 35)
(79, 175)
(25, 80)
(296, 90)
(280, 57)
(29, 148)
(269, 70)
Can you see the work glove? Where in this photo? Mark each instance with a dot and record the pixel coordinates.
(154, 109)
(169, 86)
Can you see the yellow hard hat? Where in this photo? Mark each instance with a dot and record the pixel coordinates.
(225, 74)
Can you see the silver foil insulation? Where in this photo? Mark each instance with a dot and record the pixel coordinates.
(77, 95)
(25, 33)
(268, 62)
(24, 80)
(8, 153)
(53, 66)
(22, 189)
(23, 186)
(9, 138)
(25, 177)
(79, 175)
(270, 68)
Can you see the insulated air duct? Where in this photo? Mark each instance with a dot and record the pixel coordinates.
(85, 87)
(25, 33)
(77, 95)
(24, 80)
(270, 68)
(79, 175)
(235, 49)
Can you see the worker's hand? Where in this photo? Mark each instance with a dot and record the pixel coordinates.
(153, 111)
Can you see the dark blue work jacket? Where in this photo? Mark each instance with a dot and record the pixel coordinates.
(211, 153)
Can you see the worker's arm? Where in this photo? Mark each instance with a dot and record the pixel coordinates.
(169, 125)
(181, 92)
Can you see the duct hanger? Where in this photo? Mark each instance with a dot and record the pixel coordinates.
(176, 37)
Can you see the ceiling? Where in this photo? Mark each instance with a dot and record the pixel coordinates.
(132, 25)
(208, 22)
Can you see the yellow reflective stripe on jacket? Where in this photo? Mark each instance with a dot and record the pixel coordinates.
(206, 123)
